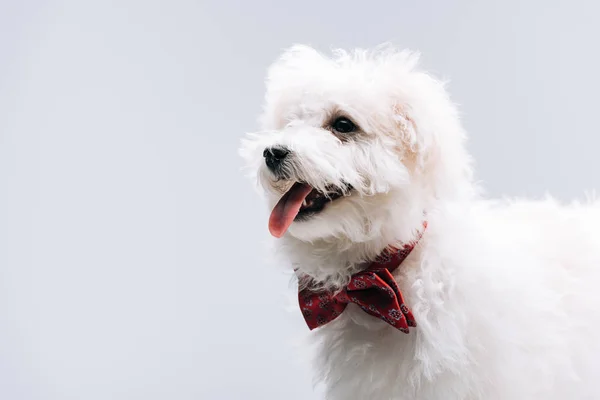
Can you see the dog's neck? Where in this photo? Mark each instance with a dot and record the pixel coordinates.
(331, 261)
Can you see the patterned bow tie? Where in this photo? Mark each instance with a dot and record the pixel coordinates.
(374, 290)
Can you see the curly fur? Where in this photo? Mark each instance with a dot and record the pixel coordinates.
(504, 292)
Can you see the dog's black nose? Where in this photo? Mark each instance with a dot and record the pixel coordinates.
(274, 156)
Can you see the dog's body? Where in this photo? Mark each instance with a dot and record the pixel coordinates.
(506, 299)
(505, 294)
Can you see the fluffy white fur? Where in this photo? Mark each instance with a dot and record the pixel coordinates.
(506, 294)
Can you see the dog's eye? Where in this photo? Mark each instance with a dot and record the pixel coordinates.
(343, 125)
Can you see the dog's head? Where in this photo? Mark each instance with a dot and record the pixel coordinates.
(349, 141)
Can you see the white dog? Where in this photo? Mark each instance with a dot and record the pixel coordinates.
(359, 150)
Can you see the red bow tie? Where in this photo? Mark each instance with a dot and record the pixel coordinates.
(374, 290)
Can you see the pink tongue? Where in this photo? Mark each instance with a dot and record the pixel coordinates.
(287, 208)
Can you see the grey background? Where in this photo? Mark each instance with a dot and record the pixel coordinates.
(133, 262)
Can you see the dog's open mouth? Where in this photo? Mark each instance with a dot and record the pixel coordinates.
(299, 203)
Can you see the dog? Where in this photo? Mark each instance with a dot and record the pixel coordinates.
(361, 155)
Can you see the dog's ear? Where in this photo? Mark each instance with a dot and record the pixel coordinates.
(411, 146)
(405, 127)
(429, 134)
(407, 84)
